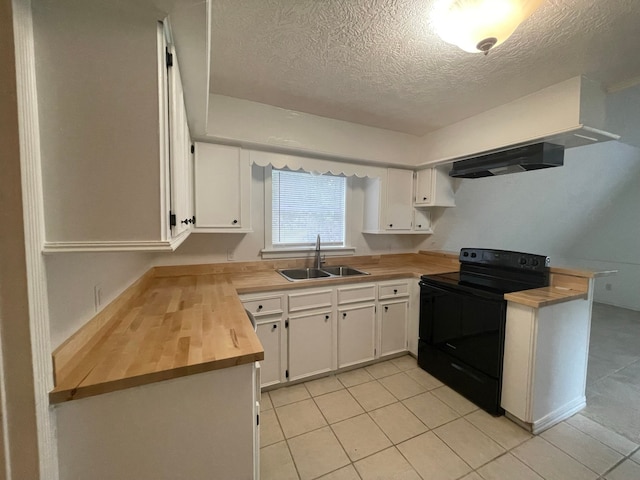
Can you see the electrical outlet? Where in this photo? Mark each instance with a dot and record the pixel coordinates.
(608, 287)
(230, 254)
(97, 296)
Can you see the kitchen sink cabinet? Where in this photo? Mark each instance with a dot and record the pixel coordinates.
(311, 342)
(222, 189)
(356, 334)
(433, 188)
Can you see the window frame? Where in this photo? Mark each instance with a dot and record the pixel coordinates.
(275, 251)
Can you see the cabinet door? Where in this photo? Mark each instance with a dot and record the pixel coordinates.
(356, 334)
(393, 327)
(310, 344)
(398, 208)
(220, 188)
(422, 220)
(424, 187)
(271, 368)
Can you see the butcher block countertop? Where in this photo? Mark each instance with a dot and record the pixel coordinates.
(180, 320)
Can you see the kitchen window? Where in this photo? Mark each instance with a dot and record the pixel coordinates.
(301, 205)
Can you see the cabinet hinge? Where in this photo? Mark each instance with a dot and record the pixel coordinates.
(286, 373)
(375, 352)
(375, 309)
(258, 420)
(193, 149)
(172, 219)
(286, 324)
(168, 57)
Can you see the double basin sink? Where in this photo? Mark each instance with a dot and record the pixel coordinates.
(294, 274)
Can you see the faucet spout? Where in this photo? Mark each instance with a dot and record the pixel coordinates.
(318, 260)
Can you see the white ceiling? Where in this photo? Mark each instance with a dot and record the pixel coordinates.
(379, 62)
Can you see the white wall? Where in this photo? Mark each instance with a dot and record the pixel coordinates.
(71, 279)
(212, 248)
(555, 212)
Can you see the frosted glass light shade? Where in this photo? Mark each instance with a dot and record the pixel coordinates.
(479, 25)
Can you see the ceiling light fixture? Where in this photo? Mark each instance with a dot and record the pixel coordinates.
(480, 25)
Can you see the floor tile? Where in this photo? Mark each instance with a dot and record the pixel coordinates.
(382, 369)
(406, 362)
(507, 467)
(500, 429)
(354, 377)
(397, 422)
(317, 453)
(455, 400)
(270, 431)
(265, 402)
(612, 401)
(300, 417)
(425, 379)
(338, 406)
(372, 395)
(587, 450)
(469, 443)
(402, 386)
(608, 437)
(432, 458)
(627, 470)
(385, 465)
(550, 462)
(360, 437)
(276, 463)
(345, 473)
(472, 476)
(323, 385)
(430, 410)
(284, 396)
(636, 457)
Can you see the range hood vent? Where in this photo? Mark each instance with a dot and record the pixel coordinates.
(521, 159)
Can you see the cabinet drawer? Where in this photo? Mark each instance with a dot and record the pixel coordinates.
(309, 300)
(393, 290)
(356, 293)
(263, 305)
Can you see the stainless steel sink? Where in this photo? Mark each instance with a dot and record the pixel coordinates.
(293, 274)
(343, 271)
(303, 273)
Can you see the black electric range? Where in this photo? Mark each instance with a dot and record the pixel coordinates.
(463, 316)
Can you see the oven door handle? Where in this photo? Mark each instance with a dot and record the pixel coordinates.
(467, 372)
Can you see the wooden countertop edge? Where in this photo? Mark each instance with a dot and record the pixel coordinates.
(532, 298)
(62, 394)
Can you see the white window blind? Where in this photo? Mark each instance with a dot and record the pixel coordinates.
(305, 205)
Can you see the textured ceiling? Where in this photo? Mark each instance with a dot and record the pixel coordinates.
(379, 62)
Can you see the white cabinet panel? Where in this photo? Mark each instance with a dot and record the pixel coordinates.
(310, 299)
(423, 186)
(393, 290)
(434, 188)
(272, 367)
(356, 293)
(356, 334)
(398, 211)
(222, 184)
(393, 327)
(310, 344)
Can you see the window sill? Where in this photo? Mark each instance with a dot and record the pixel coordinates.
(305, 252)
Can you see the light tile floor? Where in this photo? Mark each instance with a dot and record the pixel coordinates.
(393, 421)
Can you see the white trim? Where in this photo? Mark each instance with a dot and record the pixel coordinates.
(398, 232)
(116, 246)
(560, 414)
(33, 208)
(163, 119)
(306, 252)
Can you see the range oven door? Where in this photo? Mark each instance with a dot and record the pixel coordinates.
(462, 341)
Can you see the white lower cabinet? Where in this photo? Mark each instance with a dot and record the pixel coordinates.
(270, 334)
(310, 344)
(356, 334)
(393, 326)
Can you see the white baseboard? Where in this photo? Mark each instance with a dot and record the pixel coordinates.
(558, 415)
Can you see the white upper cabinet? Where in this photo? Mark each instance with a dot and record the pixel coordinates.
(433, 188)
(222, 189)
(115, 160)
(389, 205)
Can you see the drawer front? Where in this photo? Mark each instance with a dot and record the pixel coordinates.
(310, 300)
(393, 290)
(356, 293)
(263, 305)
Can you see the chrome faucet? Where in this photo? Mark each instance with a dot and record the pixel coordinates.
(318, 261)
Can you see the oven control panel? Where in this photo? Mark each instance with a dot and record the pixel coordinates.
(504, 259)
